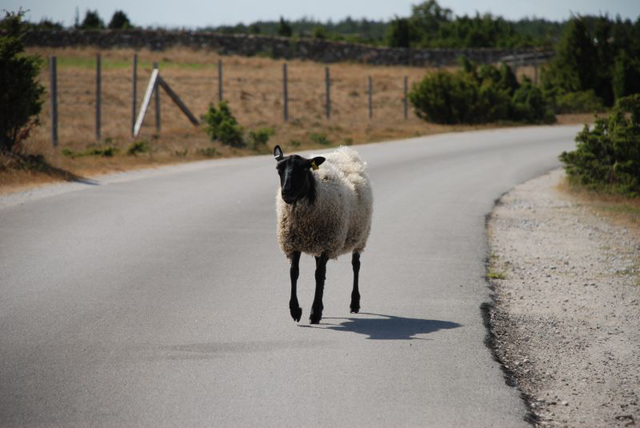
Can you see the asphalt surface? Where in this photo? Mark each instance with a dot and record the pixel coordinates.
(161, 298)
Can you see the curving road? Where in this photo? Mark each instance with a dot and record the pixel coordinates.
(161, 298)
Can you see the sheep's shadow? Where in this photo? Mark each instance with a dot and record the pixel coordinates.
(389, 327)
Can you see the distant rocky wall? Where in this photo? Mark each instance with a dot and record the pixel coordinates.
(275, 47)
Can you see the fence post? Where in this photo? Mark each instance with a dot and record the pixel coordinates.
(98, 96)
(220, 94)
(370, 98)
(157, 99)
(134, 92)
(327, 77)
(286, 92)
(405, 100)
(53, 69)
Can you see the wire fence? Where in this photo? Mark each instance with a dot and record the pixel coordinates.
(333, 101)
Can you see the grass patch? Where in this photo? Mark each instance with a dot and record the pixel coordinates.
(139, 147)
(209, 152)
(496, 275)
(319, 138)
(107, 152)
(622, 209)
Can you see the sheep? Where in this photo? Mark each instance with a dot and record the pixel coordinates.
(324, 206)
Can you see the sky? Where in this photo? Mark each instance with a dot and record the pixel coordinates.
(203, 13)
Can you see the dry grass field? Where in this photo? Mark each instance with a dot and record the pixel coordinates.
(252, 86)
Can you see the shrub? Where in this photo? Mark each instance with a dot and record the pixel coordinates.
(451, 98)
(578, 102)
(478, 95)
(260, 137)
(319, 138)
(607, 157)
(107, 152)
(319, 32)
(20, 90)
(440, 98)
(139, 147)
(529, 105)
(222, 126)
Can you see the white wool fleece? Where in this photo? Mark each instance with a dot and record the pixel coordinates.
(339, 221)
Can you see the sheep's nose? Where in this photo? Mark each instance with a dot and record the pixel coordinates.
(288, 199)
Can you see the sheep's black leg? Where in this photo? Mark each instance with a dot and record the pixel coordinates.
(294, 272)
(321, 270)
(355, 294)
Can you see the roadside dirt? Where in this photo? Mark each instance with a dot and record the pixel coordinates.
(566, 318)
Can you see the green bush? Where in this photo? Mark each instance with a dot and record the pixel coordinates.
(441, 97)
(578, 102)
(138, 147)
(260, 137)
(106, 152)
(529, 105)
(319, 32)
(20, 90)
(222, 126)
(319, 138)
(478, 95)
(607, 157)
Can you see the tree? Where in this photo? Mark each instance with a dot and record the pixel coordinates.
(284, 29)
(399, 33)
(427, 19)
(20, 92)
(575, 67)
(119, 21)
(92, 21)
(626, 75)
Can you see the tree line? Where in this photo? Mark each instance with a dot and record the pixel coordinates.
(429, 25)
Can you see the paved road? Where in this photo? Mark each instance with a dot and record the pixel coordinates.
(161, 299)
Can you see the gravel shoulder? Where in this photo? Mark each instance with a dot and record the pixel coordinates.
(566, 318)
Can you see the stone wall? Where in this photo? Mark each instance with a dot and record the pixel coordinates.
(274, 47)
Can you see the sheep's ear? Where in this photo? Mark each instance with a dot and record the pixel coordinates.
(277, 153)
(316, 162)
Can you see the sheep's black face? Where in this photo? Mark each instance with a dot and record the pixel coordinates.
(296, 180)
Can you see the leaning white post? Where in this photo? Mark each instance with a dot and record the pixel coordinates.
(153, 81)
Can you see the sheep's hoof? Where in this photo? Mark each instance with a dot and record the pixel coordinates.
(315, 318)
(296, 313)
(355, 308)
